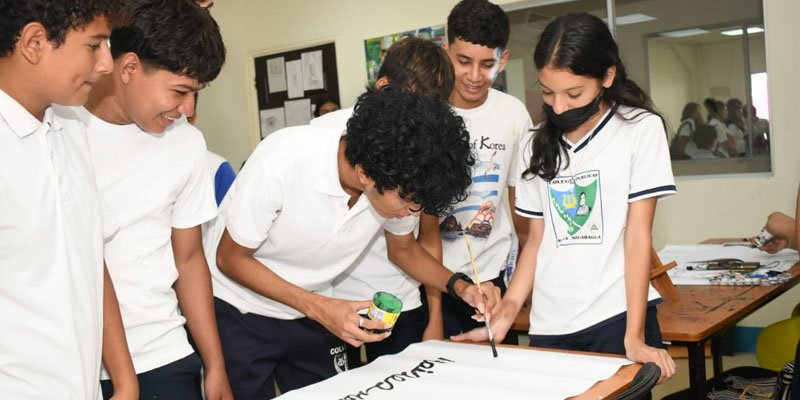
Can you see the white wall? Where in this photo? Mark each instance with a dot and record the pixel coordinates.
(729, 206)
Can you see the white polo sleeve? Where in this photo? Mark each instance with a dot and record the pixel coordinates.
(195, 203)
(651, 170)
(528, 200)
(256, 199)
(514, 175)
(401, 226)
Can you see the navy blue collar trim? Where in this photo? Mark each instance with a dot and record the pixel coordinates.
(594, 133)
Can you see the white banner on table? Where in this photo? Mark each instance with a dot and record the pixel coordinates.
(694, 256)
(436, 369)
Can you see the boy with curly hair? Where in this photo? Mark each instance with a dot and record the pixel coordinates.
(152, 169)
(305, 206)
(59, 306)
(421, 66)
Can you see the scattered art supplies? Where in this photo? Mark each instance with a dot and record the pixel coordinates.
(720, 264)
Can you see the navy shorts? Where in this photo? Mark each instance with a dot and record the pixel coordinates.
(604, 337)
(177, 380)
(408, 329)
(261, 352)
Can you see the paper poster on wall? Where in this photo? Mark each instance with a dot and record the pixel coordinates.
(297, 112)
(276, 74)
(376, 47)
(271, 120)
(312, 70)
(294, 78)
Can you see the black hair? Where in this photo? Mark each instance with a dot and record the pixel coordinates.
(734, 115)
(413, 143)
(713, 108)
(582, 44)
(478, 22)
(689, 109)
(418, 65)
(704, 136)
(178, 36)
(321, 100)
(57, 16)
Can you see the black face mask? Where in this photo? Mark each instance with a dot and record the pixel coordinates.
(570, 120)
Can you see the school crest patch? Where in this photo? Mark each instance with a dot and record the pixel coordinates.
(577, 208)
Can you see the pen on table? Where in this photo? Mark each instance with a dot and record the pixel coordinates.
(487, 320)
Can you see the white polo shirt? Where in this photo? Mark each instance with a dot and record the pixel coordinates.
(51, 258)
(580, 269)
(288, 204)
(372, 271)
(151, 183)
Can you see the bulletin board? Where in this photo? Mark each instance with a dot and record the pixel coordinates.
(288, 84)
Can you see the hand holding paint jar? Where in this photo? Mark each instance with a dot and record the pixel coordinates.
(386, 308)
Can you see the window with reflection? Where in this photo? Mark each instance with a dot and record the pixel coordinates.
(702, 62)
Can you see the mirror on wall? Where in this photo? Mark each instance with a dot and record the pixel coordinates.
(687, 55)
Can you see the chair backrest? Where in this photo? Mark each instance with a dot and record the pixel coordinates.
(642, 383)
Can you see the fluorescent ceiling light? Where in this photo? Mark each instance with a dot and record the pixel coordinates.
(737, 32)
(685, 33)
(631, 19)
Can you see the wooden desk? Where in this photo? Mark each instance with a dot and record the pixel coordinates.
(702, 313)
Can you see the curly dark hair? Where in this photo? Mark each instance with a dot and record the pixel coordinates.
(479, 22)
(57, 16)
(582, 44)
(413, 143)
(419, 65)
(178, 36)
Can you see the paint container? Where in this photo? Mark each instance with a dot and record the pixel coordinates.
(385, 307)
(762, 238)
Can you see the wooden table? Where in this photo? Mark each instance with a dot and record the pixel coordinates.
(702, 313)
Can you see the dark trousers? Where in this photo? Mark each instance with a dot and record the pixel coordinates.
(407, 329)
(605, 337)
(261, 351)
(457, 315)
(177, 380)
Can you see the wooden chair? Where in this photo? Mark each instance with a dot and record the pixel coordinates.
(660, 280)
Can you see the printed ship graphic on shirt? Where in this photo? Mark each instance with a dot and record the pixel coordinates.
(479, 210)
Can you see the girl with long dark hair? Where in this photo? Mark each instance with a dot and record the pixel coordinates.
(592, 173)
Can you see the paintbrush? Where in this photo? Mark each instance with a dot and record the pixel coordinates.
(487, 320)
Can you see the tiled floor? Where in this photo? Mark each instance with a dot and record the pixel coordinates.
(680, 380)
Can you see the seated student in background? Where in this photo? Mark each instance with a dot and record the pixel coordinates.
(221, 169)
(735, 125)
(410, 64)
(152, 169)
(725, 146)
(60, 312)
(477, 36)
(295, 220)
(683, 146)
(324, 105)
(704, 137)
(589, 274)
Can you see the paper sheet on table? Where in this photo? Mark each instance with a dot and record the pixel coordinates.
(436, 369)
(693, 255)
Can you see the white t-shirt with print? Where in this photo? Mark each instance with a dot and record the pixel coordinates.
(51, 257)
(495, 129)
(579, 278)
(289, 205)
(152, 183)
